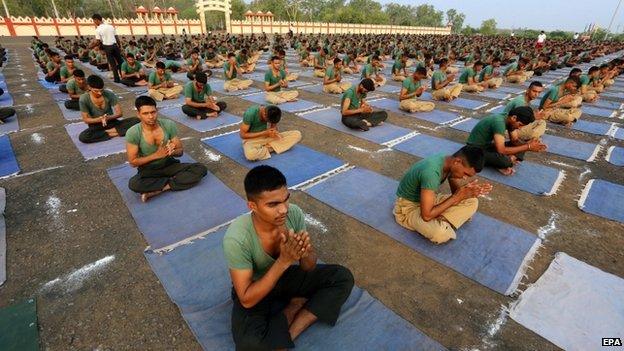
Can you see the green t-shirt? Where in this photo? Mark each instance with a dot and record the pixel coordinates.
(320, 60)
(410, 85)
(488, 70)
(73, 88)
(126, 68)
(226, 69)
(242, 246)
(132, 50)
(154, 79)
(251, 117)
(585, 80)
(552, 94)
(425, 174)
(437, 77)
(241, 60)
(518, 101)
(65, 72)
(397, 67)
(172, 63)
(483, 133)
(355, 99)
(190, 91)
(368, 70)
(467, 73)
(134, 136)
(110, 101)
(50, 66)
(271, 79)
(190, 63)
(329, 72)
(511, 68)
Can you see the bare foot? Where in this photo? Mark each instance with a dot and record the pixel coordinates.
(198, 117)
(368, 124)
(295, 304)
(147, 196)
(506, 171)
(569, 124)
(212, 114)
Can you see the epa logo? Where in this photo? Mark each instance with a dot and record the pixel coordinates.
(611, 342)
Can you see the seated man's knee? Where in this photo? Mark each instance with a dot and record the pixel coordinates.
(442, 234)
(222, 105)
(200, 169)
(85, 137)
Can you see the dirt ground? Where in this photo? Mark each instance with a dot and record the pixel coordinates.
(64, 213)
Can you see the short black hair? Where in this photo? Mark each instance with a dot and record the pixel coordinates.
(275, 57)
(130, 55)
(593, 69)
(576, 81)
(263, 178)
(69, 57)
(96, 16)
(524, 114)
(337, 60)
(78, 73)
(536, 83)
(368, 84)
(144, 100)
(443, 61)
(95, 81)
(478, 63)
(473, 155)
(274, 114)
(575, 70)
(231, 54)
(422, 70)
(201, 77)
(160, 64)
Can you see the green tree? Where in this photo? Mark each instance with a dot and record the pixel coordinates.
(456, 19)
(468, 30)
(599, 34)
(238, 9)
(488, 27)
(428, 16)
(400, 15)
(559, 34)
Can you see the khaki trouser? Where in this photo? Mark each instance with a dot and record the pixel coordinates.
(448, 92)
(563, 115)
(291, 77)
(379, 83)
(409, 63)
(533, 130)
(336, 88)
(598, 88)
(165, 93)
(347, 70)
(438, 230)
(250, 67)
(517, 78)
(415, 105)
(590, 96)
(472, 88)
(280, 97)
(237, 84)
(608, 82)
(576, 102)
(320, 73)
(218, 64)
(258, 148)
(398, 77)
(452, 70)
(494, 82)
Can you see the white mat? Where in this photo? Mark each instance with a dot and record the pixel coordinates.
(573, 305)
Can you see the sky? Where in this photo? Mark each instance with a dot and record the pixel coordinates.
(548, 15)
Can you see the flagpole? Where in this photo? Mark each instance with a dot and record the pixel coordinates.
(613, 18)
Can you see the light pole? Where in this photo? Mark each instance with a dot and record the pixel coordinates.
(55, 10)
(6, 9)
(613, 18)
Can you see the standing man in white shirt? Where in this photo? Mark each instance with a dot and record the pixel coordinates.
(541, 39)
(106, 36)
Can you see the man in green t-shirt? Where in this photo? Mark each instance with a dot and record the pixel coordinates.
(195, 64)
(562, 104)
(132, 73)
(161, 85)
(260, 134)
(199, 103)
(246, 64)
(489, 76)
(350, 65)
(231, 72)
(261, 249)
(412, 89)
(534, 130)
(356, 113)
(274, 81)
(66, 72)
(102, 113)
(53, 68)
(319, 63)
(489, 134)
(332, 82)
(76, 86)
(421, 208)
(372, 71)
(441, 84)
(152, 146)
(468, 78)
(517, 73)
(399, 68)
(589, 86)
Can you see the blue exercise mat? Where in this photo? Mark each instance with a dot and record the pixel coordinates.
(615, 155)
(387, 88)
(486, 250)
(94, 150)
(59, 96)
(435, 116)
(48, 85)
(223, 120)
(465, 125)
(10, 125)
(605, 104)
(530, 177)
(206, 206)
(6, 100)
(217, 85)
(135, 89)
(8, 162)
(68, 114)
(499, 95)
(597, 111)
(612, 94)
(618, 133)
(497, 109)
(597, 128)
(511, 90)
(604, 199)
(204, 299)
(318, 89)
(295, 106)
(571, 148)
(458, 102)
(299, 164)
(332, 118)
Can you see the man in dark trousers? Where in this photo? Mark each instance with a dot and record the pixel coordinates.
(105, 34)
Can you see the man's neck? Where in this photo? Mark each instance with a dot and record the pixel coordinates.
(149, 127)
(262, 226)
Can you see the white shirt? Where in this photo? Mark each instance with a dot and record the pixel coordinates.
(576, 36)
(106, 34)
(541, 38)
